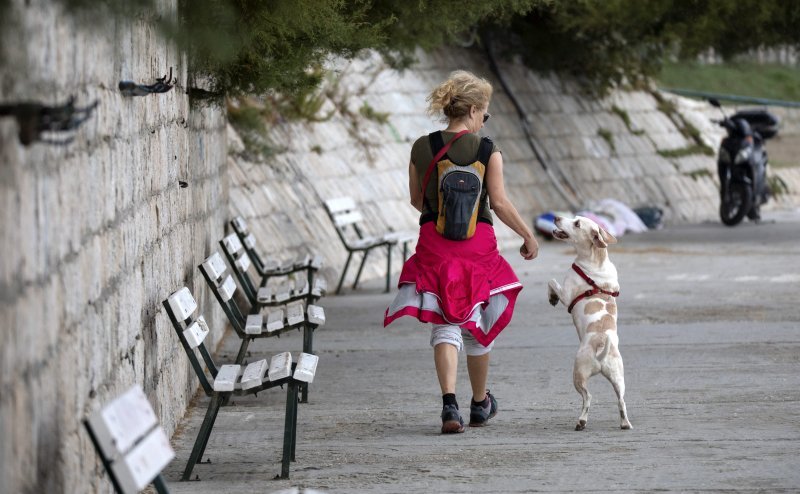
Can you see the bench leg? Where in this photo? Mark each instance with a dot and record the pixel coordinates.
(360, 268)
(388, 268)
(308, 347)
(344, 272)
(405, 252)
(160, 485)
(205, 432)
(242, 351)
(289, 429)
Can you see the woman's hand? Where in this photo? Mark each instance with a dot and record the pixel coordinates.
(529, 249)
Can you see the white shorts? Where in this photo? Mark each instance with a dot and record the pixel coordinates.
(459, 338)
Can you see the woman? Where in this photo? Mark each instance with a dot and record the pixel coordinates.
(464, 287)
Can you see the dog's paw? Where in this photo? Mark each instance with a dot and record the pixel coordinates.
(553, 299)
(581, 425)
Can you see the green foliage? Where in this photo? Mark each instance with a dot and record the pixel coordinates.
(740, 78)
(777, 185)
(369, 113)
(695, 174)
(249, 118)
(686, 151)
(608, 137)
(627, 119)
(252, 46)
(612, 42)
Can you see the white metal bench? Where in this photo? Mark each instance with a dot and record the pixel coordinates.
(269, 322)
(308, 288)
(132, 445)
(344, 213)
(228, 380)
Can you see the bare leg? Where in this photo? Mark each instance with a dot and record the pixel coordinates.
(478, 368)
(445, 356)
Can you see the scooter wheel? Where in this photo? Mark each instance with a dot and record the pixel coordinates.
(738, 203)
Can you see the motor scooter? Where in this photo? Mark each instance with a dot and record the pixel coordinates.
(742, 163)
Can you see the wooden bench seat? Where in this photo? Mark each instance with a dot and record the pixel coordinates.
(309, 288)
(268, 266)
(235, 379)
(267, 321)
(347, 219)
(132, 445)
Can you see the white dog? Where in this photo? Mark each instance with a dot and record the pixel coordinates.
(589, 290)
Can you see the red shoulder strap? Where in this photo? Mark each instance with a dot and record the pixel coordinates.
(436, 160)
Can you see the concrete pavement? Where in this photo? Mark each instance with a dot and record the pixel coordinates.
(709, 326)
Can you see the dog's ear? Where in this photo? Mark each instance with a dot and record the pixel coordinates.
(602, 238)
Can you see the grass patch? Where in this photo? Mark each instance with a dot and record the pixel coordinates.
(687, 151)
(369, 113)
(698, 173)
(627, 119)
(744, 79)
(608, 137)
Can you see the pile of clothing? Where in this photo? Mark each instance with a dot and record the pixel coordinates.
(612, 215)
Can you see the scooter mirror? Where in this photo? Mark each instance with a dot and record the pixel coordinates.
(714, 102)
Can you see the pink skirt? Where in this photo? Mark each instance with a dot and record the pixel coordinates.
(465, 283)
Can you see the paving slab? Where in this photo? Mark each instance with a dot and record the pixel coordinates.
(709, 326)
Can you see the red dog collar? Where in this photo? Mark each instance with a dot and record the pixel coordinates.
(588, 293)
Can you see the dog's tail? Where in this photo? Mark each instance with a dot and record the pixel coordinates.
(601, 339)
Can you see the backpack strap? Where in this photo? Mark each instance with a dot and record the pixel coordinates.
(441, 152)
(484, 155)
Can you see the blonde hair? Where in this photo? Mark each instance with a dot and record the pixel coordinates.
(454, 97)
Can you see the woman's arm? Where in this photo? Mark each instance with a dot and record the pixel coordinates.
(505, 210)
(414, 187)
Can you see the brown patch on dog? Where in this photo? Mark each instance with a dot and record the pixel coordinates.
(611, 308)
(605, 323)
(593, 306)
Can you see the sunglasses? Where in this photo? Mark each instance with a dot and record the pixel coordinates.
(486, 116)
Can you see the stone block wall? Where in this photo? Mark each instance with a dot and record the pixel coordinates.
(633, 146)
(95, 234)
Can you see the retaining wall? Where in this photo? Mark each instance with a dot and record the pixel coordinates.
(94, 235)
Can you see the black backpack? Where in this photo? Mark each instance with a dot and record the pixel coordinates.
(460, 187)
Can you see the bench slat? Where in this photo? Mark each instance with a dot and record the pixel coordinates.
(214, 266)
(283, 291)
(316, 315)
(306, 367)
(294, 314)
(303, 288)
(122, 422)
(344, 219)
(250, 241)
(182, 304)
(239, 225)
(264, 294)
(280, 366)
(254, 374)
(227, 289)
(320, 287)
(302, 260)
(254, 324)
(232, 243)
(404, 236)
(340, 204)
(226, 378)
(146, 460)
(243, 263)
(196, 332)
(275, 321)
(366, 242)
